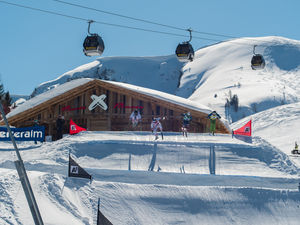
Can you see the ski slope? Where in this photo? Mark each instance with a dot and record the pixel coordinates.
(224, 68)
(176, 180)
(217, 71)
(250, 179)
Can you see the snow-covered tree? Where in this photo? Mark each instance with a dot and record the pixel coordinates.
(5, 99)
(2, 92)
(6, 102)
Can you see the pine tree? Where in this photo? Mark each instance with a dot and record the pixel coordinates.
(6, 102)
(234, 101)
(1, 91)
(5, 99)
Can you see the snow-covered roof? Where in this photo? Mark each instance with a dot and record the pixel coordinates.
(164, 96)
(39, 99)
(63, 88)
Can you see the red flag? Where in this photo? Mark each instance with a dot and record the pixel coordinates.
(244, 130)
(74, 128)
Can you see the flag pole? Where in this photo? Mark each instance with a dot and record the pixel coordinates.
(99, 204)
(98, 222)
(23, 177)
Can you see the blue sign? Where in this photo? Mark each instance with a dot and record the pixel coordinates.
(36, 133)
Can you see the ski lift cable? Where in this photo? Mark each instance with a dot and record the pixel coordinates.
(120, 26)
(42, 10)
(103, 23)
(141, 20)
(151, 22)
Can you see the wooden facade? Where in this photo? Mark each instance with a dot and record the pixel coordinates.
(74, 104)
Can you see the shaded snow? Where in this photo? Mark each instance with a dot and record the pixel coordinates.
(216, 71)
(254, 183)
(225, 67)
(160, 73)
(47, 96)
(249, 178)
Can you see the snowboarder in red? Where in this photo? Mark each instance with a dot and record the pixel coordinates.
(156, 126)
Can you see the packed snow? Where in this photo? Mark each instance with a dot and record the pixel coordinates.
(161, 73)
(249, 178)
(217, 72)
(201, 179)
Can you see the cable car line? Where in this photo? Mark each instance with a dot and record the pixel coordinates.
(116, 14)
(104, 23)
(42, 10)
(94, 45)
(159, 24)
(129, 27)
(141, 20)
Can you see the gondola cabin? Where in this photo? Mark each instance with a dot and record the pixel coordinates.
(93, 45)
(185, 52)
(257, 62)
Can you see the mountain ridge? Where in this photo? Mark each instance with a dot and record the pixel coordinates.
(217, 73)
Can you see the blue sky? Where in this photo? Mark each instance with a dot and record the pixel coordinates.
(37, 47)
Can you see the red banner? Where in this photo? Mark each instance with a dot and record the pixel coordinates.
(74, 128)
(244, 130)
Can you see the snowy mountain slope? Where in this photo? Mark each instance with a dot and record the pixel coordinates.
(254, 183)
(252, 179)
(217, 72)
(223, 68)
(278, 126)
(161, 73)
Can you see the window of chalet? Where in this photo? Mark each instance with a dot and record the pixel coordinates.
(165, 112)
(115, 97)
(94, 110)
(157, 110)
(78, 104)
(141, 107)
(83, 110)
(124, 102)
(107, 98)
(171, 112)
(149, 109)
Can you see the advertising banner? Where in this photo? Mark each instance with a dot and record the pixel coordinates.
(244, 130)
(36, 133)
(74, 128)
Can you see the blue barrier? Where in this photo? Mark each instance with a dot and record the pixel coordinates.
(36, 133)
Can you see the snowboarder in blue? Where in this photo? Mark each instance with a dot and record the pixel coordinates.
(186, 119)
(213, 116)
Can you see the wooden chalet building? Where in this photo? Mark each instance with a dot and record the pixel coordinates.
(100, 105)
